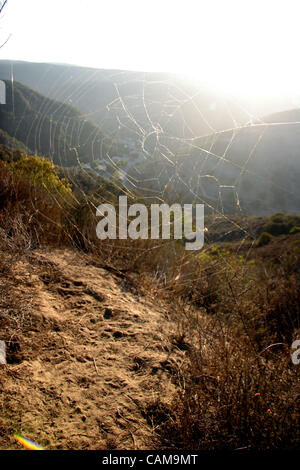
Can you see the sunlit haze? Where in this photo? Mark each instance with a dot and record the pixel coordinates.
(245, 47)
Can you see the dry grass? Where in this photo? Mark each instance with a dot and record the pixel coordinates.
(239, 388)
(237, 311)
(230, 397)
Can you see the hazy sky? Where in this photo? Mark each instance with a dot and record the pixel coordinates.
(242, 46)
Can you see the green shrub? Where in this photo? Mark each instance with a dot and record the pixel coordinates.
(40, 173)
(277, 229)
(278, 218)
(281, 224)
(32, 193)
(293, 221)
(294, 230)
(264, 239)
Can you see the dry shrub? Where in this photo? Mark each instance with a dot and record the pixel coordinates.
(15, 305)
(239, 388)
(236, 389)
(230, 397)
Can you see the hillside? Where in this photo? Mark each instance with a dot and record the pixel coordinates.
(149, 231)
(253, 170)
(137, 100)
(13, 143)
(174, 139)
(90, 355)
(139, 344)
(97, 361)
(289, 116)
(52, 129)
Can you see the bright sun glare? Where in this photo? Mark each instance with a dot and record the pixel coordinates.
(242, 47)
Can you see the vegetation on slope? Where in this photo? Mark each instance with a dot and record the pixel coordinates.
(235, 304)
(7, 141)
(52, 129)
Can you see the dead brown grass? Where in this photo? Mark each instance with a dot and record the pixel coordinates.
(236, 311)
(239, 388)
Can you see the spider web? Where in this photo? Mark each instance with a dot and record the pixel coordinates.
(165, 139)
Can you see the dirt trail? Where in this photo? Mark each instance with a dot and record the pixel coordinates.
(94, 354)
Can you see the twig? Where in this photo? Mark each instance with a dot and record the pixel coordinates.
(270, 346)
(96, 366)
(133, 439)
(3, 5)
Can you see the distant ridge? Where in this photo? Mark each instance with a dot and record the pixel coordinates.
(51, 128)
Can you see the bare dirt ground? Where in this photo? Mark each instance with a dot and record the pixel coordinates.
(89, 354)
